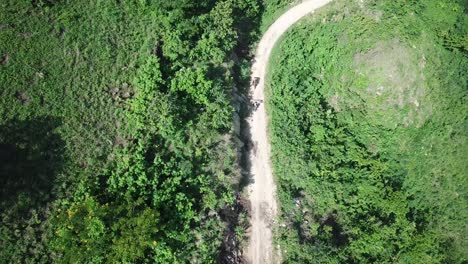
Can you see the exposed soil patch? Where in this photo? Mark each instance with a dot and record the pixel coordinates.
(5, 59)
(23, 97)
(395, 83)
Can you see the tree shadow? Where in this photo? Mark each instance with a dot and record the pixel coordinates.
(31, 155)
(245, 59)
(231, 250)
(248, 149)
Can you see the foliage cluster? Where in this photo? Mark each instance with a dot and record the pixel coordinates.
(368, 104)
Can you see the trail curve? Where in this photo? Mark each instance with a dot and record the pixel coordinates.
(262, 191)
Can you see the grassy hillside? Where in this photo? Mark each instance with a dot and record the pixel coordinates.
(368, 106)
(115, 129)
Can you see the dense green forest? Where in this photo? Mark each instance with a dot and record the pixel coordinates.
(117, 141)
(368, 107)
(120, 141)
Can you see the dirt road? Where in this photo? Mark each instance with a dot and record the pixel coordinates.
(263, 191)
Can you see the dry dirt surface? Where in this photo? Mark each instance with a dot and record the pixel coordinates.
(262, 190)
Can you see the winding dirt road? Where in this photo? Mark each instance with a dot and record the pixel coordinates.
(263, 191)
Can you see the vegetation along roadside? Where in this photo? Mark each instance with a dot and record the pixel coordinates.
(116, 132)
(368, 108)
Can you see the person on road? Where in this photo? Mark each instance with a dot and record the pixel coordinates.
(254, 82)
(256, 104)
